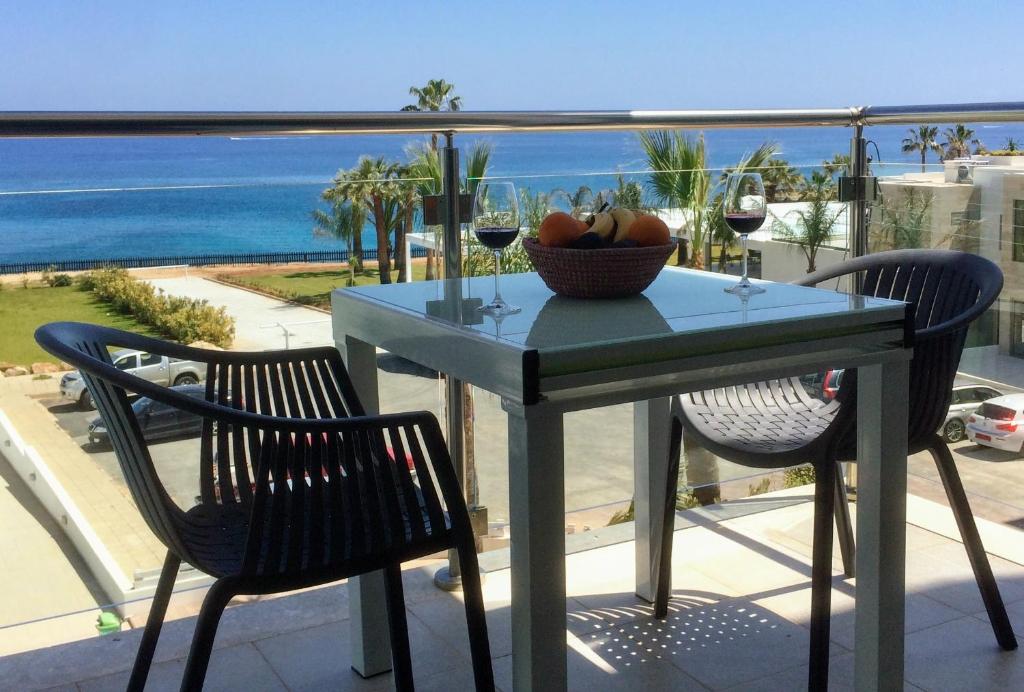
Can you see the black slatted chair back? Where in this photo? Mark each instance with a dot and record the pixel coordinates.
(947, 290)
(288, 467)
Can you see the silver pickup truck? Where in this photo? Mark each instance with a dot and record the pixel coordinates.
(148, 366)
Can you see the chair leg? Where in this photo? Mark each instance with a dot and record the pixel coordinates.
(401, 657)
(154, 622)
(847, 544)
(972, 542)
(476, 619)
(821, 575)
(206, 630)
(664, 567)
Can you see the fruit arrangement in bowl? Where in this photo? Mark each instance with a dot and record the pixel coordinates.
(614, 253)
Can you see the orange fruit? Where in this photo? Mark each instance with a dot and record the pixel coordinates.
(649, 230)
(559, 229)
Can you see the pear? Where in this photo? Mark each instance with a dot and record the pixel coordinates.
(624, 218)
(603, 224)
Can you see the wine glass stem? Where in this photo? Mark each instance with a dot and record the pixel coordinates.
(743, 245)
(497, 276)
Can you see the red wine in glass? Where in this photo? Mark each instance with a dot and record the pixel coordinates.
(742, 223)
(744, 208)
(496, 224)
(496, 238)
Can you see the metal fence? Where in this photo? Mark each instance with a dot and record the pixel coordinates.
(191, 260)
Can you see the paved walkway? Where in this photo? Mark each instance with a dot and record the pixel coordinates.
(260, 322)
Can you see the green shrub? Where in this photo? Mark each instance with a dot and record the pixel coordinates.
(51, 279)
(684, 500)
(797, 476)
(182, 319)
(763, 486)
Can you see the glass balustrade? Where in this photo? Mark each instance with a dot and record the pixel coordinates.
(267, 227)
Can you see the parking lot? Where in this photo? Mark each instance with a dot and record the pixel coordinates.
(993, 479)
(174, 459)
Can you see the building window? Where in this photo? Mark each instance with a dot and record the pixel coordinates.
(1018, 230)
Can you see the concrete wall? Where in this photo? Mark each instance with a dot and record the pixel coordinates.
(31, 468)
(130, 595)
(785, 261)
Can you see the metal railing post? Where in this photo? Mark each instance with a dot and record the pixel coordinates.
(449, 578)
(858, 195)
(858, 206)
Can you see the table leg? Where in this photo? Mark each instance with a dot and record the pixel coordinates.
(371, 642)
(881, 518)
(537, 518)
(650, 473)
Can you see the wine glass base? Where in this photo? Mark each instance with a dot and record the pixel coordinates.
(499, 308)
(744, 289)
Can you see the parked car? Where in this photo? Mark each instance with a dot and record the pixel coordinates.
(965, 399)
(159, 369)
(999, 423)
(830, 384)
(822, 385)
(967, 396)
(157, 420)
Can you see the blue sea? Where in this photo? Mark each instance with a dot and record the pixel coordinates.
(81, 198)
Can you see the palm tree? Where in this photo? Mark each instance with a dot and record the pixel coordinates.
(922, 139)
(958, 141)
(840, 163)
(581, 200)
(408, 193)
(780, 179)
(817, 222)
(338, 193)
(476, 166)
(1011, 144)
(679, 179)
(425, 167)
(435, 95)
(372, 181)
(344, 222)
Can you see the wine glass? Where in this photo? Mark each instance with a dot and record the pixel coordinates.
(496, 224)
(744, 209)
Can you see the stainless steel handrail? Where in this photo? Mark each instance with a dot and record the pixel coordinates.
(141, 123)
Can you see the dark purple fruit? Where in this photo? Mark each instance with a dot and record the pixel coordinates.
(628, 242)
(587, 241)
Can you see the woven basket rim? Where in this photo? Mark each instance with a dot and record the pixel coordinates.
(535, 244)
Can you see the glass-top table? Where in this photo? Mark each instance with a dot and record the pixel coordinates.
(684, 333)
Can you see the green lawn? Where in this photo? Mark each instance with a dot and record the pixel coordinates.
(24, 309)
(311, 287)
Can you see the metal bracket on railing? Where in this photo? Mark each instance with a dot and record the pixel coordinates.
(862, 188)
(435, 208)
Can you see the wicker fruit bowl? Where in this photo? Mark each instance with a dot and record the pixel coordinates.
(601, 273)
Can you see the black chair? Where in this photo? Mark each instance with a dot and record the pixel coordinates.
(298, 486)
(775, 424)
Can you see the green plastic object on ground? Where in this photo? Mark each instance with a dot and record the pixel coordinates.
(108, 623)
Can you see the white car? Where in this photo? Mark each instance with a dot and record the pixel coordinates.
(999, 423)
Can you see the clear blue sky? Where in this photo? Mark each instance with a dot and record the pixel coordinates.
(517, 54)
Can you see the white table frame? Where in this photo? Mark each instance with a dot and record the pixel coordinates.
(878, 348)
